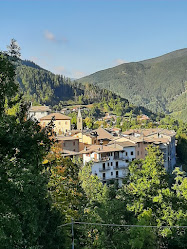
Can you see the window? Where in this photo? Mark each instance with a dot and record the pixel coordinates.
(111, 173)
(74, 143)
(116, 173)
(95, 174)
(116, 164)
(108, 164)
(103, 175)
(132, 153)
(111, 163)
(126, 161)
(138, 144)
(138, 153)
(103, 166)
(126, 154)
(64, 144)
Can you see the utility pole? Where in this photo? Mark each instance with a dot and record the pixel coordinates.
(72, 232)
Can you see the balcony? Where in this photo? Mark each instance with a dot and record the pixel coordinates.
(123, 158)
(120, 167)
(103, 159)
(113, 177)
(104, 169)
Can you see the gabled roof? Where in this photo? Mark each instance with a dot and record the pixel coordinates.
(150, 132)
(101, 149)
(39, 109)
(103, 134)
(66, 138)
(57, 116)
(123, 143)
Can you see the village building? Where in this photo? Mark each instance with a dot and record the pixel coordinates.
(163, 138)
(70, 154)
(110, 162)
(65, 111)
(143, 117)
(38, 112)
(68, 143)
(90, 137)
(62, 123)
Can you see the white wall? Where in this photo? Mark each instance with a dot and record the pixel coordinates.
(110, 164)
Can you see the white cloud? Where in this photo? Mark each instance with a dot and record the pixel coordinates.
(49, 36)
(119, 62)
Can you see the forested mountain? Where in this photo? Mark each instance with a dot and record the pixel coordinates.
(159, 84)
(43, 87)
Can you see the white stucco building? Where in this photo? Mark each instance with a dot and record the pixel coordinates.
(38, 112)
(110, 162)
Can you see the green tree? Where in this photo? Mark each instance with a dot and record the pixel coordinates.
(25, 212)
(152, 202)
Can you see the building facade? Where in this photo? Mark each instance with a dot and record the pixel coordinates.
(38, 112)
(68, 143)
(62, 123)
(109, 162)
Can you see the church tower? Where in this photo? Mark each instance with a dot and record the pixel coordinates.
(79, 120)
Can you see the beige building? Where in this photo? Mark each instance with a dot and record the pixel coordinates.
(62, 123)
(69, 143)
(98, 136)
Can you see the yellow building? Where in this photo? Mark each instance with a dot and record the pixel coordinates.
(62, 123)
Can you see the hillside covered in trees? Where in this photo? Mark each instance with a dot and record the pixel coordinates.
(43, 87)
(159, 84)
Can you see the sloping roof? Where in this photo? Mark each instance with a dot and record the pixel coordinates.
(156, 140)
(101, 149)
(69, 153)
(103, 134)
(66, 138)
(39, 109)
(123, 143)
(149, 132)
(57, 116)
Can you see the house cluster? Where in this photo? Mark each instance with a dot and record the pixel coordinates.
(110, 151)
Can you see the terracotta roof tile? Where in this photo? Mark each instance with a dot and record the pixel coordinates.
(57, 116)
(39, 109)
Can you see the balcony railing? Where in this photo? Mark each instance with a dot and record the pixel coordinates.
(120, 167)
(103, 169)
(113, 177)
(121, 158)
(103, 159)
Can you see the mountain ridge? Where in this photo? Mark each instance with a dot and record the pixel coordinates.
(153, 83)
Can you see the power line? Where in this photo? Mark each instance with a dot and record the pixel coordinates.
(120, 225)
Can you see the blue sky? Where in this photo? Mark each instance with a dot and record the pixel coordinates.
(79, 37)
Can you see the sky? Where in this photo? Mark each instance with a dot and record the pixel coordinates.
(79, 37)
